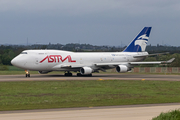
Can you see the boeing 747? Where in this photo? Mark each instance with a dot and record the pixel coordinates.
(85, 63)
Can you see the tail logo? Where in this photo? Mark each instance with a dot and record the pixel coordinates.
(143, 37)
(138, 44)
(142, 41)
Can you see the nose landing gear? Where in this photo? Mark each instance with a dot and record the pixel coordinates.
(27, 73)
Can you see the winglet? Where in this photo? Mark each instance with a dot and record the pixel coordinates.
(169, 61)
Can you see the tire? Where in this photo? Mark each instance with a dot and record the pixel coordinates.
(68, 74)
(79, 74)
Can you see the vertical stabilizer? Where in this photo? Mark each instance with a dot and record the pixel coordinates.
(140, 41)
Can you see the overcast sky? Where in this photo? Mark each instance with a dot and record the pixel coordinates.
(96, 22)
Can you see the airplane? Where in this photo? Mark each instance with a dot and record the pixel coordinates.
(86, 63)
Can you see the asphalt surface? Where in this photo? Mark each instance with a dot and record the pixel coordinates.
(127, 112)
(44, 77)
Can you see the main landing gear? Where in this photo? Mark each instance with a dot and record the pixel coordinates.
(68, 73)
(79, 74)
(27, 73)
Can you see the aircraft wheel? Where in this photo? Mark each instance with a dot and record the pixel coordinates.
(90, 75)
(68, 74)
(79, 74)
(27, 75)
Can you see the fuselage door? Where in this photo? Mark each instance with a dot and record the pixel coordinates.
(36, 61)
(81, 61)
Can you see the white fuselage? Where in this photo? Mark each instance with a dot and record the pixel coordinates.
(85, 63)
(52, 60)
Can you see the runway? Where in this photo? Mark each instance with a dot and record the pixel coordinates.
(45, 77)
(127, 112)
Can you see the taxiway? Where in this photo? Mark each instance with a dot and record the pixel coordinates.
(43, 77)
(127, 112)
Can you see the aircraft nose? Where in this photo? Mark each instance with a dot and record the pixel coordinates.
(14, 61)
(18, 62)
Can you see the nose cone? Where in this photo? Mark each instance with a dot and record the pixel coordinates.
(15, 62)
(18, 62)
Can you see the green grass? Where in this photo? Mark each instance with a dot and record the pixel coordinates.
(172, 115)
(63, 94)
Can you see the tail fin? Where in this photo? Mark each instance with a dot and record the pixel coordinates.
(140, 42)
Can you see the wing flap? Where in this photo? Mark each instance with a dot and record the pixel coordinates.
(109, 64)
(72, 66)
(69, 66)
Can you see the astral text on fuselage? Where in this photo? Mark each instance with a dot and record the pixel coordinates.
(57, 58)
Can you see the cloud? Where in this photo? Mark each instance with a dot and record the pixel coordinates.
(80, 7)
(90, 21)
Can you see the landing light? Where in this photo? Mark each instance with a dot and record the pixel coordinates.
(27, 72)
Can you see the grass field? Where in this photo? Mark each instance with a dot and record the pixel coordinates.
(62, 94)
(172, 115)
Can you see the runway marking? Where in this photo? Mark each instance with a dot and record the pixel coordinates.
(60, 79)
(26, 79)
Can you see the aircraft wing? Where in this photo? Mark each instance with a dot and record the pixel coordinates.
(111, 64)
(147, 55)
(72, 66)
(153, 62)
(135, 63)
(69, 66)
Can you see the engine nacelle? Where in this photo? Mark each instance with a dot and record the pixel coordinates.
(121, 68)
(44, 72)
(86, 70)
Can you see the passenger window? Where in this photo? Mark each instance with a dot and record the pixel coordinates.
(41, 53)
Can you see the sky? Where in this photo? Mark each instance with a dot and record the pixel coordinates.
(96, 22)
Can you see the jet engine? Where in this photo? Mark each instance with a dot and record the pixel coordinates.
(121, 68)
(44, 72)
(86, 70)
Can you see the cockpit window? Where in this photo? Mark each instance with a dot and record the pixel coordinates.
(24, 53)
